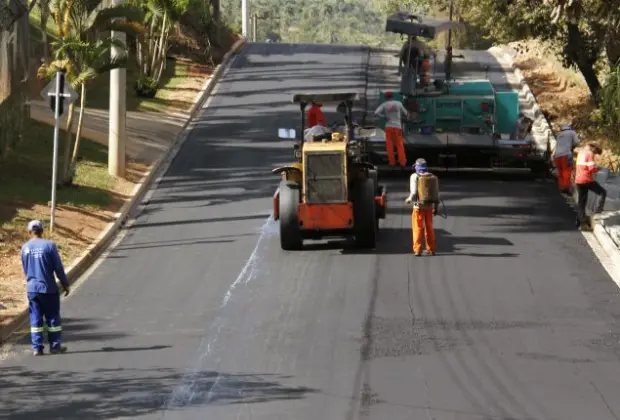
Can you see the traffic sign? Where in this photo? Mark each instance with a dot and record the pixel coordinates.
(67, 95)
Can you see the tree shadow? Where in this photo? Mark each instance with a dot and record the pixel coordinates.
(42, 394)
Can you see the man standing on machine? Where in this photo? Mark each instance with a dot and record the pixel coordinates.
(314, 115)
(424, 193)
(393, 112)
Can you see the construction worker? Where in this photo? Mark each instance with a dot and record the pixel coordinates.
(414, 51)
(566, 141)
(424, 193)
(314, 115)
(585, 182)
(40, 261)
(393, 111)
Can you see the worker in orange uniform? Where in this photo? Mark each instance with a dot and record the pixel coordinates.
(393, 112)
(566, 141)
(424, 193)
(314, 115)
(585, 182)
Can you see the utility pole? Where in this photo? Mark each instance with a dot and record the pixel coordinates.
(245, 14)
(448, 63)
(118, 111)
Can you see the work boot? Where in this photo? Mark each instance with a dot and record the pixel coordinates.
(417, 254)
(38, 352)
(58, 350)
(431, 253)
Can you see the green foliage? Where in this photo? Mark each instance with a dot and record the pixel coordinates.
(146, 87)
(609, 109)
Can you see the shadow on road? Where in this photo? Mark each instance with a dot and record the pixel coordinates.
(394, 241)
(80, 329)
(113, 393)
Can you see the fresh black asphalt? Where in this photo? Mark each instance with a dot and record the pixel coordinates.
(198, 314)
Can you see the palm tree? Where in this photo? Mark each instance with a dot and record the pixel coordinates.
(158, 19)
(84, 56)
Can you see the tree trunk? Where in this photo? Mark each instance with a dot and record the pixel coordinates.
(78, 133)
(578, 54)
(159, 46)
(44, 17)
(68, 141)
(216, 10)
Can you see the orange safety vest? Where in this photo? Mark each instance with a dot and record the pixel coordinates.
(585, 168)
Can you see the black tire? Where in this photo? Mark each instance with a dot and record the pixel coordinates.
(365, 224)
(290, 232)
(374, 175)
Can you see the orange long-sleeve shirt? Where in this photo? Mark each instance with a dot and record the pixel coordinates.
(586, 167)
(314, 116)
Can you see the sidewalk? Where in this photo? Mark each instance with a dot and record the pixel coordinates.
(149, 134)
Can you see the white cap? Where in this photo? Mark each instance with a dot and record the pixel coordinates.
(564, 127)
(35, 226)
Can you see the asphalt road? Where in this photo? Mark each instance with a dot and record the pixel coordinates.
(198, 314)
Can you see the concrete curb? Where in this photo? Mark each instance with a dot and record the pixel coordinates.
(80, 266)
(599, 231)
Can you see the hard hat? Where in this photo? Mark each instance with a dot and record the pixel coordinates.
(564, 127)
(388, 94)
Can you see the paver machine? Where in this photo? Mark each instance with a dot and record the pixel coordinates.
(330, 189)
(455, 124)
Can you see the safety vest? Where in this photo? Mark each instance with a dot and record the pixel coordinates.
(585, 168)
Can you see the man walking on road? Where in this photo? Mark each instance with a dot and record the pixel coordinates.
(585, 182)
(393, 111)
(424, 192)
(566, 141)
(40, 261)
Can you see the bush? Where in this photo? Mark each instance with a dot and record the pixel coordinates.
(146, 87)
(608, 112)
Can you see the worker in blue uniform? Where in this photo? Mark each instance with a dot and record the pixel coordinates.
(41, 261)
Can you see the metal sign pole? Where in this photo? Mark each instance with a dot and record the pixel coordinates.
(58, 93)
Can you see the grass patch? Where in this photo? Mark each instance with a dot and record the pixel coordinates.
(174, 77)
(26, 174)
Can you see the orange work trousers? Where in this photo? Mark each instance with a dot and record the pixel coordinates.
(422, 226)
(394, 137)
(564, 172)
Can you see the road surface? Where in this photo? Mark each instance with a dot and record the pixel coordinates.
(198, 314)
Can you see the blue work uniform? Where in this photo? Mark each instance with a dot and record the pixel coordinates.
(40, 261)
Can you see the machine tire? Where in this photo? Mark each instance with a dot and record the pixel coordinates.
(374, 175)
(290, 233)
(365, 226)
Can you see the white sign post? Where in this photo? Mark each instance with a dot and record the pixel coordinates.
(58, 93)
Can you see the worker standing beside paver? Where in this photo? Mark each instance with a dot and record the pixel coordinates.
(393, 112)
(41, 262)
(566, 141)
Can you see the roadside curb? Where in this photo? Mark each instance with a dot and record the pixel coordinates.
(106, 237)
(598, 230)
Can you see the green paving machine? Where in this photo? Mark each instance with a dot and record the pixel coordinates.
(455, 123)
